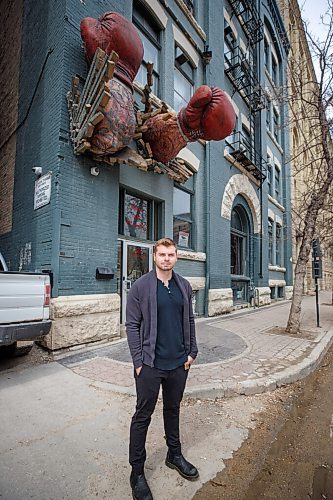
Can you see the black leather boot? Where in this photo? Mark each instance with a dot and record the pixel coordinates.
(181, 465)
(140, 488)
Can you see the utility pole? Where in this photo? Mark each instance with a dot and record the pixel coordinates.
(317, 271)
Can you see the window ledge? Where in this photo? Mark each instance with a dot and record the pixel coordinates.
(192, 19)
(239, 277)
(276, 203)
(279, 269)
(271, 136)
(191, 255)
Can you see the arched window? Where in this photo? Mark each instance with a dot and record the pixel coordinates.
(239, 241)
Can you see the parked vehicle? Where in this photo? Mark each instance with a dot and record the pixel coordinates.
(24, 309)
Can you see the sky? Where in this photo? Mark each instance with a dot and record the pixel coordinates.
(311, 11)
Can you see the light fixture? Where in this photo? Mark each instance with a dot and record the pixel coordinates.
(207, 55)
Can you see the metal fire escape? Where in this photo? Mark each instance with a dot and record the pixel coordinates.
(241, 69)
(248, 16)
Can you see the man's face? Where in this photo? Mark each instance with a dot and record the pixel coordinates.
(165, 257)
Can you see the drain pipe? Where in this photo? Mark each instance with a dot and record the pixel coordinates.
(206, 80)
(260, 275)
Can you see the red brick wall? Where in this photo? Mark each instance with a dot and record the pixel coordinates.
(10, 43)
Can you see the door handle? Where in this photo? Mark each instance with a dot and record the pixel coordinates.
(128, 284)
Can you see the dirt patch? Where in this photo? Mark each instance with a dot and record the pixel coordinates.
(303, 334)
(242, 468)
(289, 453)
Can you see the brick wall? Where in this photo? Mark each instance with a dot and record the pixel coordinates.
(10, 42)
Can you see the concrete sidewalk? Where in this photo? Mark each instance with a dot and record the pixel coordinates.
(245, 352)
(65, 429)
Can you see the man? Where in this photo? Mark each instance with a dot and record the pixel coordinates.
(161, 337)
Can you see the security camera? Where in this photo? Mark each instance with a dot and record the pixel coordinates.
(37, 171)
(94, 171)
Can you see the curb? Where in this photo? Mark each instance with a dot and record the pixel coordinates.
(250, 387)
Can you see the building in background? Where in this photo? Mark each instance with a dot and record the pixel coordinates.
(306, 153)
(94, 233)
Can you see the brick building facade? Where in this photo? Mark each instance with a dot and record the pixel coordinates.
(231, 219)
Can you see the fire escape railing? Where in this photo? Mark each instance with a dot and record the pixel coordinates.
(242, 150)
(248, 16)
(243, 77)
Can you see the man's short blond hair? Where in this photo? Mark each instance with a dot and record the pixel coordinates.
(166, 242)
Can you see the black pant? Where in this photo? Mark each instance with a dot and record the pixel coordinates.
(147, 388)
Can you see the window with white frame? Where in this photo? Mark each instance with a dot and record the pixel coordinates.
(183, 79)
(276, 125)
(270, 241)
(271, 57)
(229, 44)
(269, 175)
(150, 35)
(278, 241)
(182, 217)
(266, 53)
(277, 183)
(275, 75)
(268, 114)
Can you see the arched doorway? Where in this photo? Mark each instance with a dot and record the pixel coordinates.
(241, 254)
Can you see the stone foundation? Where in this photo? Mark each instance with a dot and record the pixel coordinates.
(81, 319)
(220, 301)
(264, 295)
(288, 292)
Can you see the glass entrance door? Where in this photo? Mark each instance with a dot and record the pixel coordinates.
(137, 260)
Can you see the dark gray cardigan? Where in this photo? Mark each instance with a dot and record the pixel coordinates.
(141, 318)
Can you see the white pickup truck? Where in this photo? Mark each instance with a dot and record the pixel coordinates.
(24, 308)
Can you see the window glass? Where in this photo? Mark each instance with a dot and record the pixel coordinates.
(182, 218)
(269, 175)
(277, 183)
(183, 79)
(135, 217)
(276, 125)
(183, 90)
(229, 43)
(270, 241)
(149, 33)
(266, 53)
(138, 217)
(238, 241)
(181, 203)
(236, 257)
(278, 245)
(268, 115)
(236, 222)
(274, 70)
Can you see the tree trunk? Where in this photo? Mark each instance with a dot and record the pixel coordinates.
(300, 270)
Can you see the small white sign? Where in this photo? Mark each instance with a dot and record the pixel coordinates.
(42, 191)
(183, 238)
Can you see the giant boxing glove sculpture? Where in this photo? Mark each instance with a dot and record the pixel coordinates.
(209, 115)
(110, 32)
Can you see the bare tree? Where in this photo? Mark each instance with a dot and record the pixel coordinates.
(311, 100)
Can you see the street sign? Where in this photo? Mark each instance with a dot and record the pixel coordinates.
(42, 191)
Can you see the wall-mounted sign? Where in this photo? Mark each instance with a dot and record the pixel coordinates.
(183, 238)
(42, 191)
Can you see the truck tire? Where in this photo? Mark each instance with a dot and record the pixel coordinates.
(13, 351)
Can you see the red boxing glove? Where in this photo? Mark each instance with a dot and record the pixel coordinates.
(111, 32)
(209, 115)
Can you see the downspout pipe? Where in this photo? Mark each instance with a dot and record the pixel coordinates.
(206, 80)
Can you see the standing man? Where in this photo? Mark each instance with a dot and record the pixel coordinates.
(161, 337)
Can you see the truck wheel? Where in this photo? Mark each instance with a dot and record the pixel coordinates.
(13, 350)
